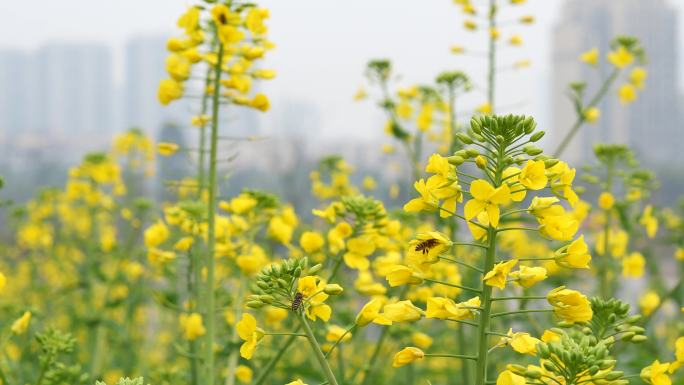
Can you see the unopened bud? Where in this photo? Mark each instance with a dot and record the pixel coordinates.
(472, 152)
(537, 136)
(315, 269)
(464, 138)
(255, 304)
(266, 298)
(455, 160)
(333, 289)
(548, 163)
(534, 374)
(532, 150)
(481, 162)
(639, 338)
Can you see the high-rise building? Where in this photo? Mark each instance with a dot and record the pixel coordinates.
(650, 126)
(74, 90)
(15, 102)
(144, 68)
(58, 91)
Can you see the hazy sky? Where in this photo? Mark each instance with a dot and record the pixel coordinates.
(322, 47)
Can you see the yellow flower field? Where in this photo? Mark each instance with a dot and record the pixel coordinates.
(506, 264)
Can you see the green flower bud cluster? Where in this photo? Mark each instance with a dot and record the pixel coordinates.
(265, 201)
(613, 153)
(54, 343)
(511, 137)
(454, 80)
(364, 211)
(612, 321)
(95, 158)
(275, 284)
(379, 70)
(578, 357)
(631, 44)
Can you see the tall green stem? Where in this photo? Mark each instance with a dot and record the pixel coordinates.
(481, 368)
(318, 353)
(268, 368)
(211, 242)
(491, 71)
(234, 354)
(607, 257)
(580, 114)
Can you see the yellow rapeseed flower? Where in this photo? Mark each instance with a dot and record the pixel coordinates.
(620, 58)
(627, 93)
(487, 199)
(633, 265)
(20, 325)
(570, 305)
(249, 332)
(407, 356)
(591, 56)
(509, 378)
(592, 114)
(192, 326)
(498, 275)
(649, 302)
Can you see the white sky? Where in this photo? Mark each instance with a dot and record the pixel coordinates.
(323, 46)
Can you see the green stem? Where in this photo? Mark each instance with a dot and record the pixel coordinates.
(463, 264)
(453, 285)
(481, 367)
(211, 231)
(234, 356)
(519, 297)
(606, 257)
(505, 313)
(340, 340)
(268, 368)
(581, 118)
(465, 372)
(365, 374)
(491, 72)
(461, 356)
(320, 357)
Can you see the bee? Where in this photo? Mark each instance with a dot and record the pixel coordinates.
(297, 301)
(426, 245)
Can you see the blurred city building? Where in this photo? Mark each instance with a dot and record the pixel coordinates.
(652, 125)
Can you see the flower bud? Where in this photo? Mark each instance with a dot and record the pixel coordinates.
(333, 289)
(255, 304)
(532, 150)
(472, 152)
(537, 136)
(315, 269)
(639, 338)
(605, 364)
(530, 125)
(268, 299)
(263, 285)
(464, 138)
(455, 160)
(481, 162)
(533, 374)
(612, 376)
(548, 163)
(298, 272)
(475, 126)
